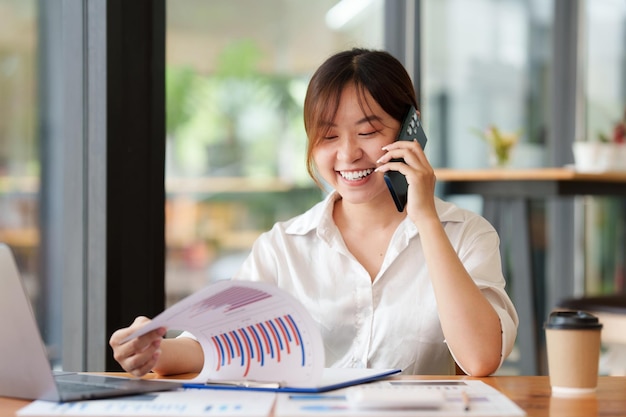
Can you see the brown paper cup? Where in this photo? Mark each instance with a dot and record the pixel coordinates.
(573, 343)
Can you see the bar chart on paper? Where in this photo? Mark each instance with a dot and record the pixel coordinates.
(249, 331)
(263, 343)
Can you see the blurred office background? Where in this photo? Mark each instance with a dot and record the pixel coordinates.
(144, 145)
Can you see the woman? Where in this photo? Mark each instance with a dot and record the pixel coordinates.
(416, 290)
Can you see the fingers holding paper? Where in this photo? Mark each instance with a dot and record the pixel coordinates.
(137, 356)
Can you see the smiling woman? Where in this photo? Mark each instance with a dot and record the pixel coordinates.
(418, 290)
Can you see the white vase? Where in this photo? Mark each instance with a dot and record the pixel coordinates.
(599, 156)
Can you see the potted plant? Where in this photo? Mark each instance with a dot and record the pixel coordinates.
(500, 145)
(608, 153)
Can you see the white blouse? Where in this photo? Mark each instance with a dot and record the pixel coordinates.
(392, 321)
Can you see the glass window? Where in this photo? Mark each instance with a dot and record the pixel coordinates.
(236, 76)
(19, 150)
(486, 63)
(605, 104)
(605, 75)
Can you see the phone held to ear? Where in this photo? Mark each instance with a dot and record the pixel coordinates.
(410, 130)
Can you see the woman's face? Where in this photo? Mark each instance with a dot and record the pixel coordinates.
(346, 156)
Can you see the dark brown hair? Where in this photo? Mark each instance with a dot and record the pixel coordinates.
(376, 72)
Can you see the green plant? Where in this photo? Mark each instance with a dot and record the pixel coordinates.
(500, 143)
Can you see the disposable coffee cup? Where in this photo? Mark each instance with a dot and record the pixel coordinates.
(573, 343)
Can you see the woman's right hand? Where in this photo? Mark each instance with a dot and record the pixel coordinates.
(137, 356)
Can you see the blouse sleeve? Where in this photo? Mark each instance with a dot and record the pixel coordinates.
(480, 254)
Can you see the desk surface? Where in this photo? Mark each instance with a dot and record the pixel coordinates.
(531, 393)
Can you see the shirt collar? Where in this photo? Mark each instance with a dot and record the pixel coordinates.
(320, 217)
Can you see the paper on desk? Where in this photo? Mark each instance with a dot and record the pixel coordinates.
(190, 403)
(485, 401)
(248, 331)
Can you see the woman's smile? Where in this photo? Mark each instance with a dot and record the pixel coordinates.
(356, 175)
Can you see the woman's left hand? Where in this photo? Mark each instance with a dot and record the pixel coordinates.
(419, 175)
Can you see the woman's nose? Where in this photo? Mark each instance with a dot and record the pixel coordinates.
(349, 150)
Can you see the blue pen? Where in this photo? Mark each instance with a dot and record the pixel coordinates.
(232, 384)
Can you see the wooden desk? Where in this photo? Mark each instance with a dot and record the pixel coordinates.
(507, 194)
(531, 393)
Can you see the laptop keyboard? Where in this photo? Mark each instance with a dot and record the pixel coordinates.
(85, 386)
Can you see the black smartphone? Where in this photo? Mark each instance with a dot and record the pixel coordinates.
(410, 130)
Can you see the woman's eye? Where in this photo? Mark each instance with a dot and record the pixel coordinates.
(373, 132)
(329, 137)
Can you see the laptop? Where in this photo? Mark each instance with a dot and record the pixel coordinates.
(25, 368)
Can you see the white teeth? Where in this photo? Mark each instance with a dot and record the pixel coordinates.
(356, 175)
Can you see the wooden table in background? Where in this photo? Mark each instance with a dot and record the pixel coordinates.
(507, 194)
(531, 393)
